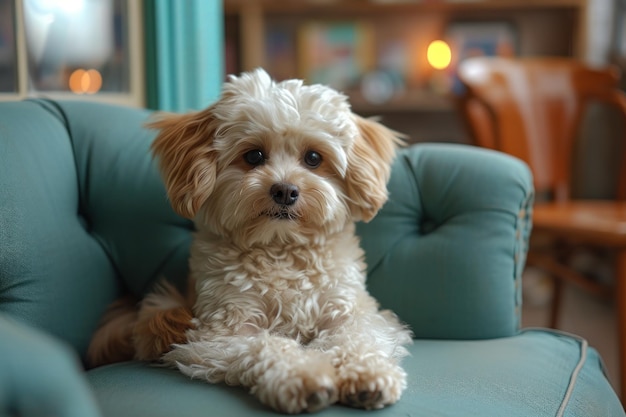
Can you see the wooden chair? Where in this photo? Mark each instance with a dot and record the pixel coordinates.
(533, 108)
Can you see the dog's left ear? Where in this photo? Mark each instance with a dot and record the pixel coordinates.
(184, 148)
(369, 166)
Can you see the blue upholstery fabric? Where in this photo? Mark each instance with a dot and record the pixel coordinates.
(74, 228)
(447, 251)
(84, 217)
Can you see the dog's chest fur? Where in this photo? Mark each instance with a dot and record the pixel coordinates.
(294, 290)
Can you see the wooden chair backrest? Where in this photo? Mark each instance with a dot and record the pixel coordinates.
(533, 108)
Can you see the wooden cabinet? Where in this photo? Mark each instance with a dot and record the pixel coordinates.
(390, 39)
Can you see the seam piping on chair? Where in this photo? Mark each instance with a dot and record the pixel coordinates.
(574, 377)
(575, 372)
(523, 226)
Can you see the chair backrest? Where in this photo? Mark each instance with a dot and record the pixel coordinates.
(533, 108)
(83, 214)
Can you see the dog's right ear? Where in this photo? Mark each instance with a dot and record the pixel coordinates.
(184, 148)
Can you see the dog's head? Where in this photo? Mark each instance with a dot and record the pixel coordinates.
(274, 160)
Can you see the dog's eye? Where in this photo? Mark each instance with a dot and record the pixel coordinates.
(254, 157)
(312, 159)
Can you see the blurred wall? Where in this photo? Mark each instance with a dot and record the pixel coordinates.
(599, 22)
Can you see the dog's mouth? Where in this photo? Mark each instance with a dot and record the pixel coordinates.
(281, 214)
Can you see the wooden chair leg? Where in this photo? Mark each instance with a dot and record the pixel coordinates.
(555, 305)
(620, 281)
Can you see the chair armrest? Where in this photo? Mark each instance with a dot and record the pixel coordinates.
(39, 376)
(447, 251)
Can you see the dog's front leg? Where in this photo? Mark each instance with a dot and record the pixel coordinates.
(278, 370)
(366, 352)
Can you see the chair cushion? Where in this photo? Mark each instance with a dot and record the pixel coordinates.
(526, 375)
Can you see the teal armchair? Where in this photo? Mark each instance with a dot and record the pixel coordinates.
(84, 218)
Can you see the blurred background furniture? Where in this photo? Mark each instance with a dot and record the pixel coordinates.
(392, 38)
(534, 108)
(84, 217)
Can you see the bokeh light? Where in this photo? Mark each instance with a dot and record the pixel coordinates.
(85, 81)
(439, 54)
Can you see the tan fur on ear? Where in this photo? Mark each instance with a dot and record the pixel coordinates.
(186, 158)
(369, 167)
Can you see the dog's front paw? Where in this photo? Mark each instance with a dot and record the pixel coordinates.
(371, 386)
(309, 390)
(319, 393)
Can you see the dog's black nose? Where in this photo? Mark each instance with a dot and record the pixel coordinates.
(284, 193)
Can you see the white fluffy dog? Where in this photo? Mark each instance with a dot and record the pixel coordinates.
(274, 176)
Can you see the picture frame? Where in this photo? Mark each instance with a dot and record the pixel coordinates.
(479, 38)
(280, 52)
(337, 54)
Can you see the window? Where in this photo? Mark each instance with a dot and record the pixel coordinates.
(88, 49)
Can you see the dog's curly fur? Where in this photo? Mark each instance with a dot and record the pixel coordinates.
(274, 176)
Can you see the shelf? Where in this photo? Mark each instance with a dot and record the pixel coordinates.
(339, 7)
(254, 17)
(406, 102)
(276, 35)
